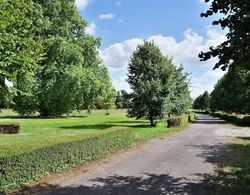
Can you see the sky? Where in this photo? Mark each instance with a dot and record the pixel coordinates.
(174, 25)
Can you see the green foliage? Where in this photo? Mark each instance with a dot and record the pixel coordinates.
(234, 16)
(122, 99)
(159, 88)
(241, 121)
(9, 128)
(202, 102)
(229, 96)
(17, 170)
(52, 62)
(174, 122)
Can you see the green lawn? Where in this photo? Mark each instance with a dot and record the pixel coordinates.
(36, 132)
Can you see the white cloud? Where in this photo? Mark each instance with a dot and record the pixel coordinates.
(121, 83)
(185, 52)
(91, 28)
(82, 4)
(205, 82)
(107, 16)
(117, 56)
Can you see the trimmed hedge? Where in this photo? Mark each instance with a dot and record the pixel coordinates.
(174, 122)
(245, 121)
(18, 170)
(8, 128)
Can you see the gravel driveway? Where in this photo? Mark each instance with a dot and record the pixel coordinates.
(177, 164)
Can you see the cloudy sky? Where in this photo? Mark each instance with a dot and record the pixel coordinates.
(174, 25)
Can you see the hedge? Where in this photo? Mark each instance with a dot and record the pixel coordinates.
(245, 121)
(17, 170)
(174, 122)
(9, 128)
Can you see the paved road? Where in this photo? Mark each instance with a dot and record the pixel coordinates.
(178, 164)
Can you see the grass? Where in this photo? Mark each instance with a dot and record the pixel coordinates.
(37, 133)
(233, 174)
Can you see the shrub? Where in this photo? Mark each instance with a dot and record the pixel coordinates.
(6, 128)
(20, 169)
(174, 122)
(191, 117)
(245, 121)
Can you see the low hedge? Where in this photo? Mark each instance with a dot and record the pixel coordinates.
(18, 170)
(9, 128)
(174, 122)
(245, 121)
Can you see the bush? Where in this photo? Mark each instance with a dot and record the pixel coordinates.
(20, 169)
(174, 122)
(9, 128)
(245, 121)
(191, 117)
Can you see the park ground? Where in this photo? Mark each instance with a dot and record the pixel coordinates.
(210, 157)
(38, 132)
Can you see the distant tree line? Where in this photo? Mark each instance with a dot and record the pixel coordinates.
(231, 94)
(50, 59)
(122, 99)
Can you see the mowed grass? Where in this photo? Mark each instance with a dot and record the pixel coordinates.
(37, 132)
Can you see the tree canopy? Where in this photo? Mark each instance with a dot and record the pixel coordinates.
(202, 102)
(229, 96)
(159, 88)
(235, 17)
(52, 62)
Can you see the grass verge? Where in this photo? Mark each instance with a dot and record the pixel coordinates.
(52, 145)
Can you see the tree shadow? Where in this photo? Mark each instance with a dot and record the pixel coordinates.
(147, 184)
(39, 117)
(103, 126)
(232, 177)
(95, 126)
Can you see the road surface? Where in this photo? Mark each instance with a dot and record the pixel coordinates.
(178, 164)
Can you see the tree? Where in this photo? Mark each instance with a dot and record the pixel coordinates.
(68, 73)
(235, 50)
(122, 99)
(202, 102)
(152, 80)
(118, 100)
(20, 49)
(229, 96)
(181, 99)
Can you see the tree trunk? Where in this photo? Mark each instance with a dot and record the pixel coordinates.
(151, 121)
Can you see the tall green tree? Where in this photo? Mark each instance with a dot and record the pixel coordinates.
(66, 72)
(229, 96)
(202, 102)
(20, 48)
(234, 16)
(152, 80)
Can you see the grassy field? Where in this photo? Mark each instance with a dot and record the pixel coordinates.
(37, 133)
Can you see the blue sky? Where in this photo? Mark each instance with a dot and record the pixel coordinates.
(174, 25)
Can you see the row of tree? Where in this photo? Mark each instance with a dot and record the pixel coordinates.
(231, 94)
(232, 91)
(52, 62)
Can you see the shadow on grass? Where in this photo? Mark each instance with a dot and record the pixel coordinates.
(233, 177)
(39, 117)
(103, 126)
